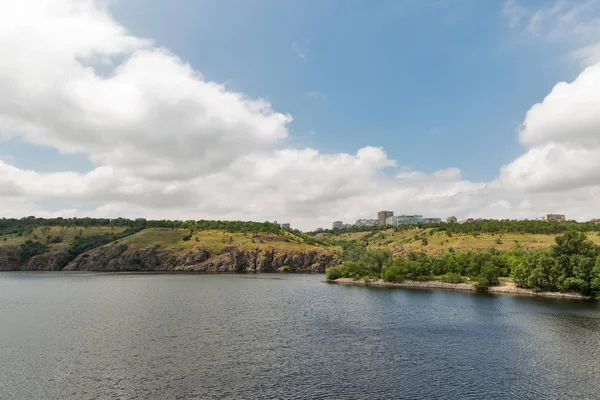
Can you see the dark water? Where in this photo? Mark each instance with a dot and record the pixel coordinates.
(108, 336)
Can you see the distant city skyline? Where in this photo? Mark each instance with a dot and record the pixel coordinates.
(403, 219)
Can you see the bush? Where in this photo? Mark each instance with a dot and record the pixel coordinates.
(187, 237)
(452, 277)
(392, 273)
(55, 239)
(333, 273)
(30, 249)
(482, 284)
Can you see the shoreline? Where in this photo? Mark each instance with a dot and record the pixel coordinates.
(502, 288)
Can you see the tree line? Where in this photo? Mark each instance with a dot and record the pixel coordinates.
(27, 225)
(483, 226)
(572, 264)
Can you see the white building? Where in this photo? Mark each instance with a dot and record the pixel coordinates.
(366, 222)
(554, 218)
(393, 221)
(432, 220)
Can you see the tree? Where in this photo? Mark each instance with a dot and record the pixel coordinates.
(574, 242)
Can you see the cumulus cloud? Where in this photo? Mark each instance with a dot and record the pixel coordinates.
(167, 143)
(153, 114)
(563, 133)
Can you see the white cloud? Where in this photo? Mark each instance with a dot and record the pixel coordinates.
(153, 114)
(572, 23)
(563, 132)
(301, 49)
(587, 55)
(166, 143)
(514, 12)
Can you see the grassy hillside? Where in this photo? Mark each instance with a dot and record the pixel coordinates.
(48, 235)
(214, 240)
(436, 241)
(57, 237)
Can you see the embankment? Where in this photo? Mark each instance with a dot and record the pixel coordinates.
(502, 288)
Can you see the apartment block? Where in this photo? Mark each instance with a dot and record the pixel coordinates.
(382, 216)
(554, 218)
(410, 219)
(366, 222)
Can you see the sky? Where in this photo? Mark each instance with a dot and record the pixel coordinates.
(301, 112)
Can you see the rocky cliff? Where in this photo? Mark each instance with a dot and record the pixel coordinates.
(121, 258)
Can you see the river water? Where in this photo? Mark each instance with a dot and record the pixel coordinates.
(137, 336)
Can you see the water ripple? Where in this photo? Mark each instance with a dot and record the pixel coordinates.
(66, 336)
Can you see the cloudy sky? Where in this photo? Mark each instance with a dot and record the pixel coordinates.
(302, 112)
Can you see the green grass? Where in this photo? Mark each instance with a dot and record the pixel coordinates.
(404, 241)
(68, 234)
(212, 240)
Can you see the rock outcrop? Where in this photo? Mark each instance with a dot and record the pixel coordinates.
(51, 261)
(155, 258)
(9, 258)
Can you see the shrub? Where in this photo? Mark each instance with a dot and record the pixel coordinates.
(333, 273)
(392, 273)
(55, 239)
(187, 237)
(482, 284)
(452, 277)
(30, 249)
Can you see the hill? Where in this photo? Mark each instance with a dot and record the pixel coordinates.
(135, 247)
(434, 241)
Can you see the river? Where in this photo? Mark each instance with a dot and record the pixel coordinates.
(279, 336)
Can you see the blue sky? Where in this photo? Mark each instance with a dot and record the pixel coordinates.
(299, 111)
(437, 84)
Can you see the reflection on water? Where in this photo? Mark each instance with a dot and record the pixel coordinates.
(165, 336)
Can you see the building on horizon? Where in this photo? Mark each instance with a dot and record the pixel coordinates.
(382, 216)
(338, 225)
(285, 226)
(451, 220)
(554, 218)
(393, 221)
(432, 220)
(410, 219)
(366, 222)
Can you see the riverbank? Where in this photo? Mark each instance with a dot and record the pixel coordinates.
(502, 288)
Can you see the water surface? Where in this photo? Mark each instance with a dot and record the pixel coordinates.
(145, 336)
